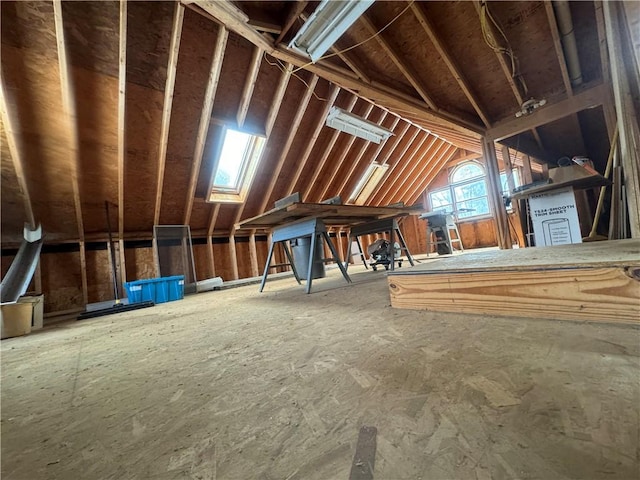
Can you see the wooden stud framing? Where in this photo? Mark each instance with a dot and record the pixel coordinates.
(629, 131)
(302, 163)
(295, 10)
(253, 255)
(327, 151)
(205, 118)
(212, 263)
(494, 193)
(277, 98)
(174, 49)
(340, 159)
(233, 257)
(215, 210)
(429, 174)
(122, 105)
(557, 43)
(352, 63)
(249, 85)
(527, 176)
(450, 62)
(15, 149)
(71, 121)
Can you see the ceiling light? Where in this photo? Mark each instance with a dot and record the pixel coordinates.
(357, 126)
(323, 28)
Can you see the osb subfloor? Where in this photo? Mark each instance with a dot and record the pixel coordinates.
(240, 385)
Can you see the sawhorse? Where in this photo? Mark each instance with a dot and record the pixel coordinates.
(384, 225)
(313, 228)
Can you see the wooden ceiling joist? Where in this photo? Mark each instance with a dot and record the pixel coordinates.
(589, 98)
(205, 118)
(352, 63)
(302, 162)
(276, 102)
(122, 114)
(14, 142)
(451, 64)
(431, 170)
(174, 49)
(293, 128)
(69, 114)
(325, 155)
(250, 83)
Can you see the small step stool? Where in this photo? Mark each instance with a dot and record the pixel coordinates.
(441, 226)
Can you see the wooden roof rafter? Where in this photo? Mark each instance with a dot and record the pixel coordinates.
(449, 61)
(293, 129)
(404, 171)
(352, 63)
(333, 95)
(295, 10)
(174, 49)
(557, 44)
(382, 186)
(250, 83)
(235, 20)
(340, 158)
(325, 155)
(14, 143)
(353, 164)
(205, 118)
(122, 114)
(428, 173)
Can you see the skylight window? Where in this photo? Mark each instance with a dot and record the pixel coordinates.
(368, 182)
(235, 166)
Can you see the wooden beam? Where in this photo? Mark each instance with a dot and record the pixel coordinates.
(328, 182)
(325, 155)
(352, 165)
(122, 114)
(212, 263)
(71, 123)
(384, 185)
(494, 194)
(430, 174)
(11, 127)
(215, 210)
(174, 49)
(302, 162)
(253, 255)
(230, 16)
(293, 129)
(205, 118)
(527, 176)
(431, 164)
(276, 102)
(451, 64)
(408, 166)
(295, 10)
(249, 85)
(404, 68)
(592, 97)
(233, 257)
(629, 129)
(557, 44)
(403, 192)
(352, 63)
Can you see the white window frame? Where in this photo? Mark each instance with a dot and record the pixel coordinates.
(251, 158)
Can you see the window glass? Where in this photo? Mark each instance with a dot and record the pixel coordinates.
(467, 171)
(470, 190)
(232, 159)
(440, 199)
(466, 195)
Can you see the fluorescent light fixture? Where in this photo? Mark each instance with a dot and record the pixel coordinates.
(354, 125)
(326, 25)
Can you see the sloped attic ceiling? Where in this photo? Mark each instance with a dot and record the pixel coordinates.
(124, 102)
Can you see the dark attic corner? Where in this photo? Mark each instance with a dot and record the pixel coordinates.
(330, 239)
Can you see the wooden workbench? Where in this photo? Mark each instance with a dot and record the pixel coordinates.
(331, 214)
(597, 281)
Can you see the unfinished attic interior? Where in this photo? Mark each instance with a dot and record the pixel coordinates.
(395, 239)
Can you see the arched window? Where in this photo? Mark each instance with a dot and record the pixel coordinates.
(466, 194)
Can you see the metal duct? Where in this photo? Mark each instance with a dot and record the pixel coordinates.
(565, 27)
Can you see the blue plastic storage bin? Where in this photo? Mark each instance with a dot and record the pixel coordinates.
(156, 290)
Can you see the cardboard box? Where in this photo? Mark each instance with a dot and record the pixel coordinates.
(16, 319)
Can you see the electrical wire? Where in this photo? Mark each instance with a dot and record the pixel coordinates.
(492, 42)
(278, 64)
(359, 43)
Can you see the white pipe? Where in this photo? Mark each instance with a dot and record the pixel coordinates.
(569, 46)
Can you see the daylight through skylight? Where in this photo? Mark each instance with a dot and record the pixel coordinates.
(232, 159)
